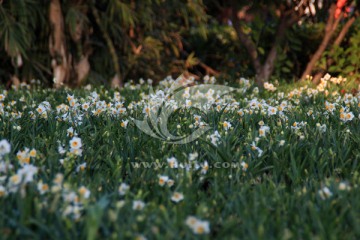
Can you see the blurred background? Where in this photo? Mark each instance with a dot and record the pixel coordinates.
(109, 42)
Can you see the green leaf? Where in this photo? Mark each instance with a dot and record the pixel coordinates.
(285, 70)
(261, 50)
(349, 69)
(333, 68)
(95, 214)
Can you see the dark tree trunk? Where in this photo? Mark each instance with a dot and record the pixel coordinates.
(331, 26)
(337, 42)
(288, 17)
(116, 81)
(57, 46)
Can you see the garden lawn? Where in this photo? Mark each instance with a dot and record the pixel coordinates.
(272, 165)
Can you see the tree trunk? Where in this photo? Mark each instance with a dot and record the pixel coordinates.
(267, 68)
(331, 26)
(15, 81)
(337, 42)
(246, 41)
(116, 81)
(82, 69)
(57, 46)
(80, 35)
(264, 71)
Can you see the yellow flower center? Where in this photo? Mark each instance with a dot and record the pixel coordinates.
(15, 179)
(33, 153)
(82, 191)
(45, 187)
(200, 229)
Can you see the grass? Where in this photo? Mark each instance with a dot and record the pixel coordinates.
(304, 184)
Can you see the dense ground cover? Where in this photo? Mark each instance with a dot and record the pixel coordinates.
(273, 165)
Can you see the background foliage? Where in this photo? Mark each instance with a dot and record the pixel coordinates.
(153, 39)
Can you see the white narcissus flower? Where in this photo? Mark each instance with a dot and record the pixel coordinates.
(84, 192)
(204, 167)
(23, 156)
(75, 143)
(172, 162)
(4, 168)
(163, 180)
(344, 186)
(70, 132)
(15, 179)
(272, 111)
(81, 167)
(201, 227)
(325, 193)
(27, 173)
(5, 147)
(85, 106)
(263, 130)
(146, 110)
(77, 152)
(123, 189)
(193, 156)
(41, 109)
(33, 153)
(269, 86)
(3, 191)
(124, 123)
(42, 187)
(215, 138)
(59, 178)
(188, 103)
(245, 166)
(177, 197)
(138, 205)
(322, 128)
(122, 110)
(120, 204)
(226, 125)
(345, 117)
(330, 107)
(198, 226)
(61, 149)
(255, 148)
(197, 118)
(170, 183)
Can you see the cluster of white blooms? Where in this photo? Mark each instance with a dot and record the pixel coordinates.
(198, 226)
(269, 87)
(263, 121)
